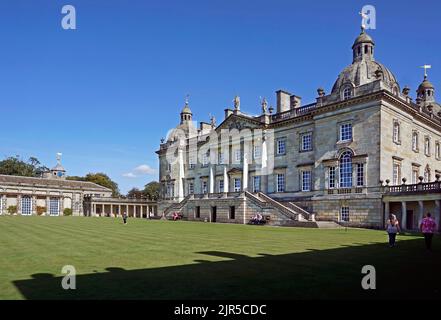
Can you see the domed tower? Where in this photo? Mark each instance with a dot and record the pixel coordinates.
(185, 126)
(57, 172)
(426, 91)
(426, 97)
(363, 47)
(364, 75)
(186, 114)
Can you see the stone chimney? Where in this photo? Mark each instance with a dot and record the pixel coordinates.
(283, 101)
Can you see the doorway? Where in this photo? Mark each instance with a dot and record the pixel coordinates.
(213, 214)
(409, 219)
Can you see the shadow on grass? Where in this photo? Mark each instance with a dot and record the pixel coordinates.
(407, 271)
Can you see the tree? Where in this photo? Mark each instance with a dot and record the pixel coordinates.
(135, 193)
(101, 179)
(151, 190)
(15, 166)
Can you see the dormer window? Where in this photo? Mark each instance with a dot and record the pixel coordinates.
(347, 93)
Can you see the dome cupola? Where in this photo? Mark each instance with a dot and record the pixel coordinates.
(426, 91)
(363, 47)
(186, 114)
(363, 70)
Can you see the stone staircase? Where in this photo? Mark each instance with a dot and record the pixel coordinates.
(176, 207)
(284, 214)
(289, 210)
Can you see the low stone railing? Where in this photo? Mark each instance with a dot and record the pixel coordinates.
(428, 187)
(350, 190)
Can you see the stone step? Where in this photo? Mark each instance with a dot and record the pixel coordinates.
(328, 225)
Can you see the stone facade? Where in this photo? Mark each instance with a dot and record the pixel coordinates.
(51, 196)
(48, 195)
(328, 160)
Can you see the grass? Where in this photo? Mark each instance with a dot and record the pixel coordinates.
(191, 260)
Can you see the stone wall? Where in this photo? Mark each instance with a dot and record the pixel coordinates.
(402, 151)
(362, 212)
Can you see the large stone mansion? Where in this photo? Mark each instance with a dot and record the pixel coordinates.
(356, 154)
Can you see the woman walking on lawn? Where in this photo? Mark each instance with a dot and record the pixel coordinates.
(428, 227)
(392, 228)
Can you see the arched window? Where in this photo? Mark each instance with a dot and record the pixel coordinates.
(346, 169)
(54, 206)
(26, 205)
(347, 93)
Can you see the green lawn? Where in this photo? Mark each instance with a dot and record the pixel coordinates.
(185, 260)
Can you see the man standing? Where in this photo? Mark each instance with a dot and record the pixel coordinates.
(124, 216)
(428, 227)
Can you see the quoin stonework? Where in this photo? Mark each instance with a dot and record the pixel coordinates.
(358, 153)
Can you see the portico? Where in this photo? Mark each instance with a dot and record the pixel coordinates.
(115, 207)
(410, 203)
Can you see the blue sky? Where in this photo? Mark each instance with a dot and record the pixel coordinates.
(106, 93)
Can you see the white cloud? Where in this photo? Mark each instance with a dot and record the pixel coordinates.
(145, 169)
(129, 175)
(140, 170)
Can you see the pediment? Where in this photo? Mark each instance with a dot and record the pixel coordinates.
(239, 122)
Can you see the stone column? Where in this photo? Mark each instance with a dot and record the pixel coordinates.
(437, 216)
(226, 182)
(245, 172)
(211, 180)
(60, 206)
(3, 205)
(420, 213)
(48, 202)
(403, 215)
(181, 175)
(264, 160)
(386, 210)
(19, 204)
(112, 214)
(80, 204)
(34, 205)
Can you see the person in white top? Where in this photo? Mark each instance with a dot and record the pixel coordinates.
(392, 228)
